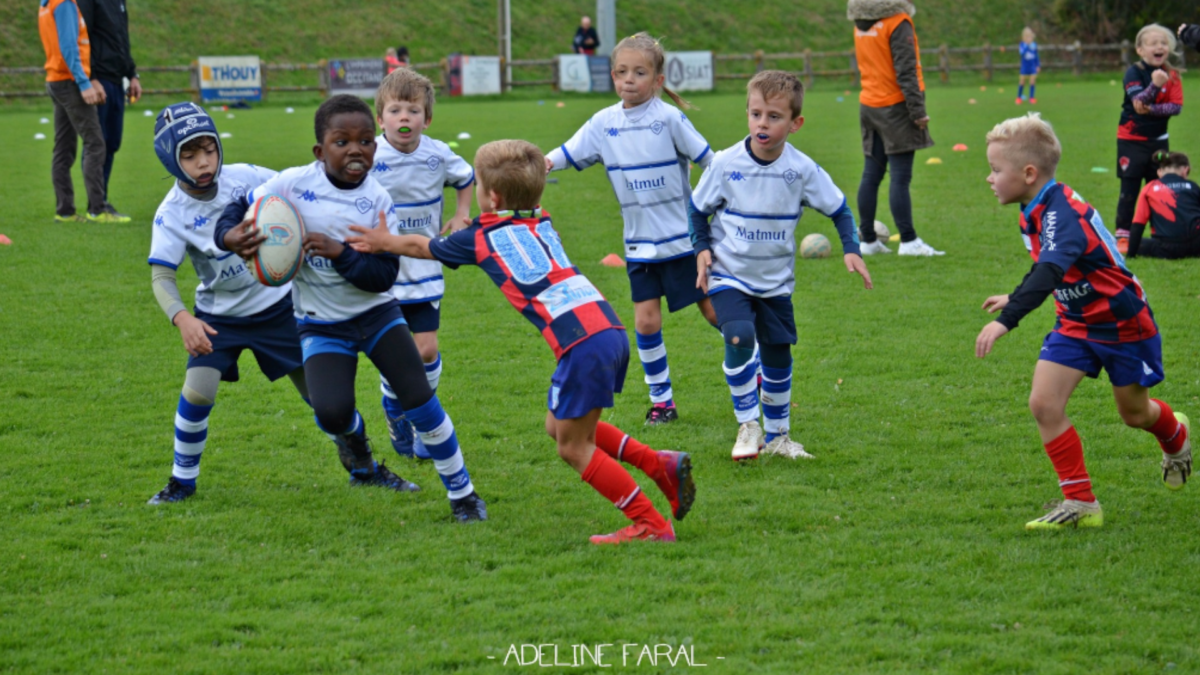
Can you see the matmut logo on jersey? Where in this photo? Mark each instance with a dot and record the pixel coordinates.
(411, 223)
(567, 295)
(753, 234)
(644, 185)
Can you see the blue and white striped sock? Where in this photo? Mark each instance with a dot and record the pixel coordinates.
(433, 372)
(391, 404)
(776, 400)
(743, 389)
(653, 354)
(437, 432)
(191, 433)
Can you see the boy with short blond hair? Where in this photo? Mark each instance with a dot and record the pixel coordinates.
(515, 242)
(755, 193)
(415, 170)
(1104, 321)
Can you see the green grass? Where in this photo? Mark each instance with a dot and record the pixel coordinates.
(899, 549)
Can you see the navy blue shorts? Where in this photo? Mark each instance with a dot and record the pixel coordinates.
(359, 334)
(675, 279)
(588, 375)
(270, 334)
(774, 319)
(1031, 69)
(1126, 362)
(423, 317)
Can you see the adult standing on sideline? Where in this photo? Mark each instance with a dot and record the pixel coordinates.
(1189, 34)
(112, 62)
(891, 114)
(68, 80)
(587, 41)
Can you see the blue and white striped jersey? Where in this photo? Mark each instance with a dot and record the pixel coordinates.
(184, 225)
(647, 151)
(755, 210)
(320, 294)
(416, 183)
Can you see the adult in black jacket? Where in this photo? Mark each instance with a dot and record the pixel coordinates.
(1189, 34)
(108, 28)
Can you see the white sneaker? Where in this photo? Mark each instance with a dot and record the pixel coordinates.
(786, 447)
(917, 247)
(871, 248)
(749, 441)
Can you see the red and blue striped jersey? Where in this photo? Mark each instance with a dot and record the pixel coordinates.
(524, 257)
(1099, 299)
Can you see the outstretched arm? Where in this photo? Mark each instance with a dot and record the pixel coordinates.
(379, 240)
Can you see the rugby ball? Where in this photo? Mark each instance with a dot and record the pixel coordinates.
(882, 233)
(814, 245)
(279, 257)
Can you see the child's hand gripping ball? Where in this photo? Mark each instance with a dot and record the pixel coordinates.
(279, 256)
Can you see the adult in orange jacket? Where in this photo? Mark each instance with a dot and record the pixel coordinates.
(891, 114)
(68, 80)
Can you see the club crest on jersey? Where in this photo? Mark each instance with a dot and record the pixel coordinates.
(1124, 162)
(433, 163)
(790, 176)
(363, 204)
(657, 127)
(238, 193)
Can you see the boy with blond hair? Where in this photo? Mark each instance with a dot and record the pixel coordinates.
(415, 169)
(755, 193)
(1104, 321)
(515, 242)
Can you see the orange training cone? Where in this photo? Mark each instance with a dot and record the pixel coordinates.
(612, 260)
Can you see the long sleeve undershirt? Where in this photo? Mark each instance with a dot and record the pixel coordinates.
(66, 22)
(1033, 290)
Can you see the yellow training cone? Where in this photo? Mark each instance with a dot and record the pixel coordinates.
(933, 160)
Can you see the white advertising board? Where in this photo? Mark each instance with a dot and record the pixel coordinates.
(689, 71)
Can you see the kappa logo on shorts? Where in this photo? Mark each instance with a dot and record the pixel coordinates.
(308, 342)
(790, 176)
(1124, 162)
(433, 163)
(363, 204)
(554, 391)
(1146, 369)
(657, 127)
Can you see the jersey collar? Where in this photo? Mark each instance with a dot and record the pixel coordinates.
(501, 216)
(1041, 197)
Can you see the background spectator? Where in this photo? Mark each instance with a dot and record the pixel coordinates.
(112, 62)
(68, 69)
(587, 41)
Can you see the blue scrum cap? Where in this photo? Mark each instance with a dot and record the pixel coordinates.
(176, 125)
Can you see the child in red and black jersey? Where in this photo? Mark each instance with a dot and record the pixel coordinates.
(1153, 94)
(515, 243)
(1171, 205)
(1104, 321)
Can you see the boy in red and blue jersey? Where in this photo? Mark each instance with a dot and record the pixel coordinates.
(1104, 321)
(515, 243)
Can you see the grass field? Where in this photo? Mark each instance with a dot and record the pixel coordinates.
(899, 549)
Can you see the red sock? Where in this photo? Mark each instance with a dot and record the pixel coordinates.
(614, 482)
(622, 447)
(1169, 432)
(1066, 453)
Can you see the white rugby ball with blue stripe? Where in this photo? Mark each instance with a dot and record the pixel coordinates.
(279, 257)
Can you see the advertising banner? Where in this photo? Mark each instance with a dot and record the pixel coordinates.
(690, 71)
(480, 75)
(573, 73)
(230, 78)
(359, 77)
